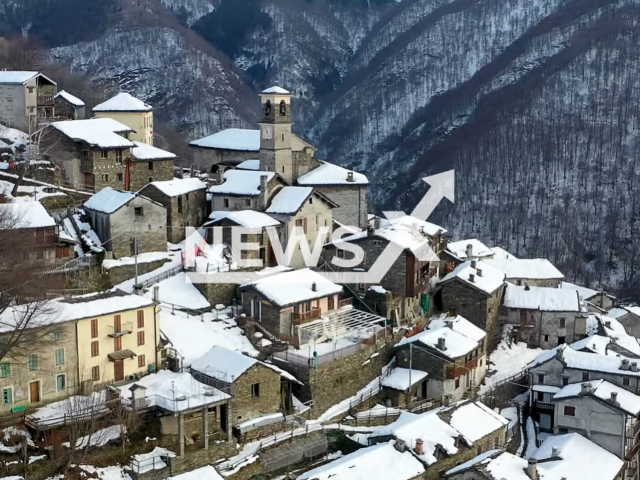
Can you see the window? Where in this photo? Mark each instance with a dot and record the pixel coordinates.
(540, 396)
(179, 204)
(479, 450)
(59, 353)
(94, 328)
(340, 253)
(247, 202)
(120, 177)
(283, 109)
(141, 361)
(541, 379)
(150, 179)
(561, 340)
(105, 177)
(255, 390)
(226, 203)
(546, 338)
(5, 368)
(625, 381)
(57, 334)
(565, 381)
(95, 348)
(563, 323)
(85, 154)
(30, 89)
(33, 362)
(150, 165)
(569, 411)
(61, 382)
(585, 376)
(119, 157)
(7, 396)
(310, 200)
(95, 373)
(141, 337)
(104, 154)
(457, 383)
(140, 318)
(283, 165)
(117, 344)
(138, 211)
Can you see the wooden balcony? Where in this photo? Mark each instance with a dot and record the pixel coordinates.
(124, 329)
(306, 317)
(455, 371)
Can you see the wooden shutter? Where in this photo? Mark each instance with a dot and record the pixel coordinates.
(94, 328)
(140, 318)
(117, 323)
(95, 349)
(117, 344)
(141, 338)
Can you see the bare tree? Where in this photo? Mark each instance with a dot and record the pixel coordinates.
(129, 420)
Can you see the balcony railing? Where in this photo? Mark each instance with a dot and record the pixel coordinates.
(455, 371)
(300, 318)
(45, 100)
(124, 329)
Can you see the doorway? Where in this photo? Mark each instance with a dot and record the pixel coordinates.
(34, 392)
(118, 370)
(224, 414)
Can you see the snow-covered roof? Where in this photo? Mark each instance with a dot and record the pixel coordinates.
(73, 100)
(525, 268)
(73, 308)
(542, 298)
(545, 389)
(460, 336)
(615, 331)
(108, 200)
(202, 473)
(242, 139)
(592, 362)
(249, 165)
(408, 232)
(490, 279)
(474, 420)
(330, 174)
(296, 286)
(633, 309)
(123, 102)
(27, 215)
(174, 391)
(16, 77)
(381, 461)
(482, 458)
(584, 292)
(276, 89)
(289, 200)
(245, 218)
(594, 344)
(97, 132)
(400, 378)
(625, 400)
(617, 312)
(143, 152)
(177, 186)
(478, 249)
(227, 365)
(241, 182)
(577, 459)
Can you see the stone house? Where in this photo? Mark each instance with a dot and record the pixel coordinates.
(544, 317)
(284, 301)
(258, 222)
(605, 413)
(30, 226)
(93, 153)
(84, 341)
(258, 389)
(69, 106)
(629, 317)
(447, 436)
(185, 201)
(526, 271)
(245, 190)
(26, 99)
(452, 351)
(130, 111)
(465, 250)
(597, 301)
(302, 210)
(127, 222)
(474, 290)
(404, 290)
(148, 164)
(563, 366)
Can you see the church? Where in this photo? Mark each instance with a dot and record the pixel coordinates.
(275, 152)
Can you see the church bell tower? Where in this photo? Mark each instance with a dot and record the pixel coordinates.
(275, 133)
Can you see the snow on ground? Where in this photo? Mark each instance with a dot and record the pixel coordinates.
(88, 235)
(377, 411)
(175, 260)
(101, 437)
(179, 291)
(531, 438)
(154, 460)
(36, 458)
(53, 413)
(511, 414)
(7, 433)
(27, 193)
(114, 472)
(146, 257)
(343, 406)
(204, 473)
(193, 336)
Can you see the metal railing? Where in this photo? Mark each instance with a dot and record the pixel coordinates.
(161, 276)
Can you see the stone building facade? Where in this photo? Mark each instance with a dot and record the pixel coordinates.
(142, 173)
(26, 99)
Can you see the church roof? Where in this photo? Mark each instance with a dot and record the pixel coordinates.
(231, 139)
(330, 174)
(278, 90)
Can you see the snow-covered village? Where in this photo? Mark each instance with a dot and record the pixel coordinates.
(143, 338)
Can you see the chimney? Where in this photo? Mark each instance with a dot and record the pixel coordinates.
(614, 397)
(473, 264)
(555, 452)
(634, 366)
(263, 192)
(607, 324)
(585, 388)
(370, 230)
(527, 288)
(532, 469)
(400, 445)
(479, 272)
(624, 365)
(452, 312)
(441, 344)
(469, 251)
(314, 287)
(419, 446)
(156, 294)
(350, 177)
(376, 223)
(472, 277)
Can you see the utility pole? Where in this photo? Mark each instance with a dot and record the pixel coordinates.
(135, 247)
(410, 368)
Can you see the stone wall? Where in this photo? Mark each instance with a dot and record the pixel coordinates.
(352, 203)
(120, 274)
(216, 293)
(142, 173)
(245, 406)
(149, 228)
(205, 158)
